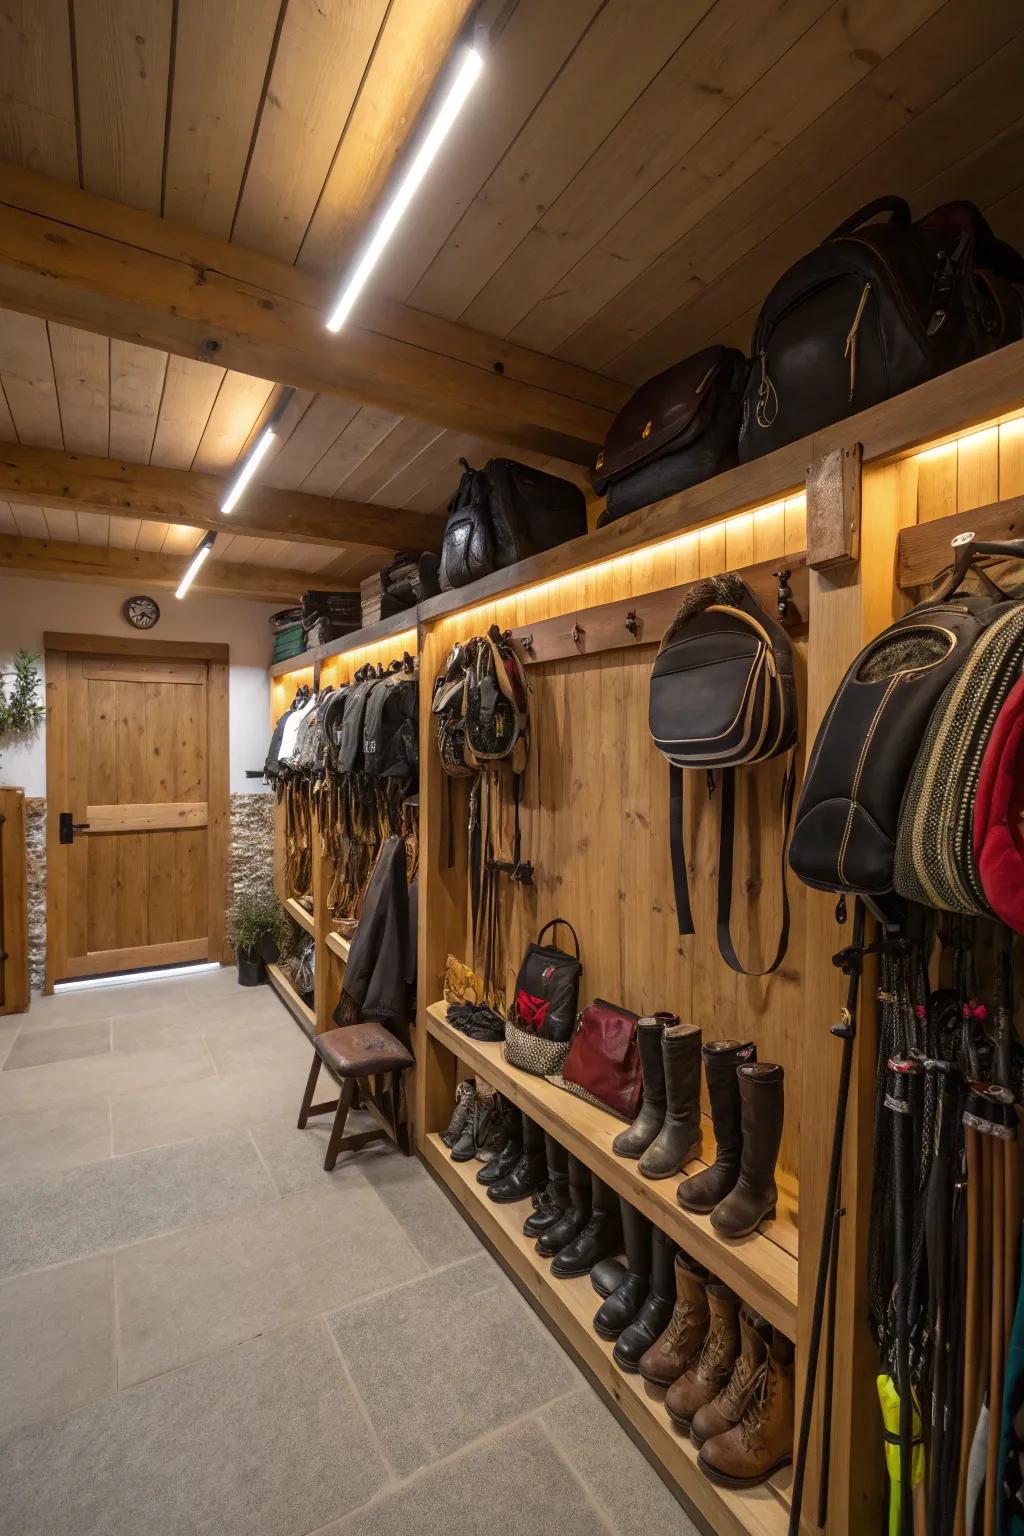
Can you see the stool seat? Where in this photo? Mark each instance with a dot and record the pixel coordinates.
(362, 1050)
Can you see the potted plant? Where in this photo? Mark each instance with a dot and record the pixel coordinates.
(257, 929)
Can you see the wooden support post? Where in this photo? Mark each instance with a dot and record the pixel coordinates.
(833, 509)
(14, 983)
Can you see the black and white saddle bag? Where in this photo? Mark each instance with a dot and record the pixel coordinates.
(723, 697)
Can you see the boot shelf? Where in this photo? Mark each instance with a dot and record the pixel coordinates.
(762, 1268)
(297, 911)
(338, 945)
(300, 1011)
(569, 1306)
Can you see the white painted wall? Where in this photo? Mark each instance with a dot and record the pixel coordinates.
(29, 606)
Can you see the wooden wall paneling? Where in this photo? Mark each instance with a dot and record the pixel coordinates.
(26, 374)
(219, 808)
(81, 370)
(324, 419)
(136, 389)
(415, 38)
(56, 663)
(37, 99)
(370, 477)
(123, 53)
(92, 717)
(321, 55)
(189, 393)
(222, 53)
(1011, 458)
(977, 469)
(362, 433)
(240, 399)
(936, 481)
(15, 995)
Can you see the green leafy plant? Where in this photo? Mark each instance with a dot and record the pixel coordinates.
(21, 708)
(255, 915)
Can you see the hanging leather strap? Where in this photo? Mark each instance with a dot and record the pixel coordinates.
(675, 821)
(727, 828)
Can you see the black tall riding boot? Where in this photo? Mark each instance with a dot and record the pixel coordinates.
(530, 1172)
(656, 1313)
(754, 1197)
(626, 1300)
(505, 1159)
(722, 1058)
(601, 1236)
(552, 1202)
(575, 1218)
(649, 1034)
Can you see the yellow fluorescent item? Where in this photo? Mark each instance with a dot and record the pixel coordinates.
(466, 76)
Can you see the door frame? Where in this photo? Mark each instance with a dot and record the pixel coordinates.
(57, 647)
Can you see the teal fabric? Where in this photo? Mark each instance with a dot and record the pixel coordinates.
(1010, 1520)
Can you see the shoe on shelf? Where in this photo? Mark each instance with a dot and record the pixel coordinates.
(601, 1236)
(465, 1098)
(678, 1347)
(576, 1215)
(622, 1305)
(508, 1154)
(762, 1441)
(607, 1276)
(726, 1410)
(496, 1132)
(474, 1130)
(549, 1206)
(702, 1382)
(528, 1176)
(679, 1139)
(755, 1195)
(722, 1061)
(656, 1312)
(634, 1141)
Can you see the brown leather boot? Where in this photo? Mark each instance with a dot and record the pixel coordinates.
(762, 1441)
(718, 1354)
(725, 1410)
(635, 1141)
(704, 1190)
(669, 1356)
(679, 1138)
(754, 1198)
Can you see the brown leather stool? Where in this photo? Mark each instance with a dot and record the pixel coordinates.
(353, 1055)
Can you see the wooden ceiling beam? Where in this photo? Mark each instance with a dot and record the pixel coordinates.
(120, 567)
(67, 255)
(43, 477)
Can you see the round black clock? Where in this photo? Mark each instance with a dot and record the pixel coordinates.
(141, 612)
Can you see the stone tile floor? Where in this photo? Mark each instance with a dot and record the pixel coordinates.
(200, 1330)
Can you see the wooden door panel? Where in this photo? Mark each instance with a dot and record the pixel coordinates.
(140, 886)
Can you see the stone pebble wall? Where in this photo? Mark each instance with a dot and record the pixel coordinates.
(250, 864)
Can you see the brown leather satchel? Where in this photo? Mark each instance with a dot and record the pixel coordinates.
(604, 1058)
(679, 428)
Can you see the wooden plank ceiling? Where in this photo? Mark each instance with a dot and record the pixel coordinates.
(624, 186)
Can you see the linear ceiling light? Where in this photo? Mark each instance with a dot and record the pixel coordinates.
(256, 454)
(198, 559)
(467, 73)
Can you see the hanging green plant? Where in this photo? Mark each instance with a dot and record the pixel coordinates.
(21, 708)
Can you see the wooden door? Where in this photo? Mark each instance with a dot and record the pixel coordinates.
(137, 759)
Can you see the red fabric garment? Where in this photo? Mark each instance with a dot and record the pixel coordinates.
(998, 808)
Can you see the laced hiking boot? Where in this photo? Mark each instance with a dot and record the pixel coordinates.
(601, 1236)
(656, 1313)
(495, 1132)
(622, 1306)
(474, 1130)
(530, 1173)
(722, 1058)
(679, 1138)
(649, 1032)
(753, 1200)
(762, 1441)
(505, 1159)
(577, 1213)
(726, 1410)
(465, 1098)
(678, 1346)
(703, 1381)
(550, 1203)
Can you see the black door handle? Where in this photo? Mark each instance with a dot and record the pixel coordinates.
(68, 826)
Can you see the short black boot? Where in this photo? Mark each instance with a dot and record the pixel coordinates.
(575, 1218)
(679, 1137)
(649, 1032)
(477, 1128)
(721, 1060)
(530, 1172)
(626, 1300)
(551, 1204)
(601, 1236)
(656, 1313)
(505, 1159)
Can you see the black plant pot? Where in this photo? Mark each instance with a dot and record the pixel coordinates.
(252, 970)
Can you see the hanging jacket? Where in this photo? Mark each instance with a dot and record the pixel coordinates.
(380, 972)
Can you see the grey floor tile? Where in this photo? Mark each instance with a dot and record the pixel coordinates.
(56, 1341)
(65, 1042)
(9, 1032)
(164, 1027)
(295, 1159)
(221, 982)
(427, 1217)
(44, 1141)
(240, 1044)
(178, 1111)
(191, 1293)
(516, 1482)
(441, 1361)
(68, 1082)
(105, 1205)
(105, 1002)
(265, 1440)
(621, 1481)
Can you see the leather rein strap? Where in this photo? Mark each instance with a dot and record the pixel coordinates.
(726, 838)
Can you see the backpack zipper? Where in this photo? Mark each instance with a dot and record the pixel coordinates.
(850, 350)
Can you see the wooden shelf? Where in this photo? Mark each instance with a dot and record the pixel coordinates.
(570, 1305)
(372, 634)
(762, 1268)
(338, 945)
(296, 910)
(301, 1012)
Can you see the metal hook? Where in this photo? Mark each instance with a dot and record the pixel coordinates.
(784, 594)
(526, 641)
(577, 635)
(633, 624)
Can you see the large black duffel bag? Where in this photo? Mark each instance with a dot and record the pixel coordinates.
(503, 513)
(876, 309)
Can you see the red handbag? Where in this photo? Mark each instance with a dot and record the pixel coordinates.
(604, 1058)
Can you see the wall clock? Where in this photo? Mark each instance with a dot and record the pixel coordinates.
(141, 612)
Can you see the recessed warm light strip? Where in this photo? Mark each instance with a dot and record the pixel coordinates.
(198, 560)
(466, 75)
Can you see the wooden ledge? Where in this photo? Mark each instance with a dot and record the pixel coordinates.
(373, 634)
(338, 945)
(762, 1268)
(300, 1011)
(298, 913)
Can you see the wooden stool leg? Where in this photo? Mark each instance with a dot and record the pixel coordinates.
(348, 1093)
(307, 1097)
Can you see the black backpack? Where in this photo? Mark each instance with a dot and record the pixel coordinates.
(391, 726)
(876, 309)
(349, 754)
(501, 514)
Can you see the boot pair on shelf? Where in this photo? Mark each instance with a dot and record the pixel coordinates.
(576, 1216)
(747, 1104)
(478, 1125)
(666, 1133)
(744, 1429)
